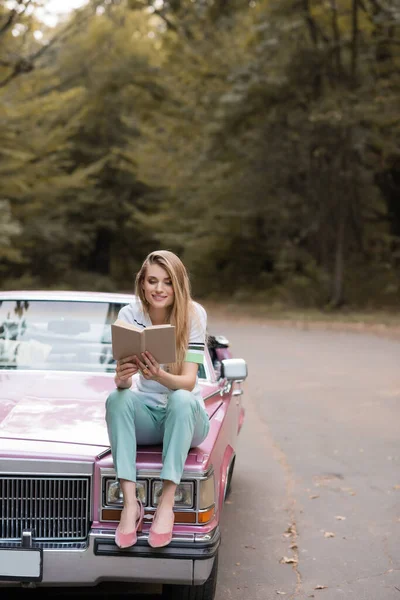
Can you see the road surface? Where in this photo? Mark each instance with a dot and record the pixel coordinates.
(318, 468)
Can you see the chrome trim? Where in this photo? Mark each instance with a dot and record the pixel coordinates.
(70, 546)
(238, 392)
(110, 535)
(37, 466)
(26, 539)
(104, 453)
(55, 507)
(216, 393)
(206, 537)
(155, 474)
(107, 534)
(225, 387)
(203, 510)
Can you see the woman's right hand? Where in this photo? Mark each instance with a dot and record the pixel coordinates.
(126, 368)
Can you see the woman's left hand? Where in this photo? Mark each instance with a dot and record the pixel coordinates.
(148, 366)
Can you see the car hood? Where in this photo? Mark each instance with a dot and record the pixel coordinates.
(54, 406)
(60, 407)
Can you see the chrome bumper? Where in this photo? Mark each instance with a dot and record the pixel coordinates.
(184, 561)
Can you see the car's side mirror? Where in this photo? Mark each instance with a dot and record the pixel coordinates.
(234, 369)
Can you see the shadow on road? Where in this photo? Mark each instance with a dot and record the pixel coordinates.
(100, 593)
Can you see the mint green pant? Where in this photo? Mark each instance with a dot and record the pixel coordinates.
(181, 424)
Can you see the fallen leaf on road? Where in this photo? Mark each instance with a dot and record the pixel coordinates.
(321, 587)
(350, 490)
(396, 487)
(293, 546)
(314, 497)
(291, 530)
(339, 518)
(285, 560)
(329, 534)
(237, 564)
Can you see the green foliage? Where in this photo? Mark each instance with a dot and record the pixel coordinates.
(260, 140)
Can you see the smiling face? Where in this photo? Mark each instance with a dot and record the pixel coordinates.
(157, 287)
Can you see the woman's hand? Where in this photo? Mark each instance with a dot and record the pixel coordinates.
(148, 366)
(126, 368)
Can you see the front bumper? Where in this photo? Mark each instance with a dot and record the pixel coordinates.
(187, 560)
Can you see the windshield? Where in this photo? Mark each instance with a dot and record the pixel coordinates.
(56, 335)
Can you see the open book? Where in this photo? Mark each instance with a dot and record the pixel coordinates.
(128, 339)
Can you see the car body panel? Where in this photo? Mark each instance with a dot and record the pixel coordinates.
(53, 422)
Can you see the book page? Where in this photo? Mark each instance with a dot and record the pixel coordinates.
(160, 342)
(125, 340)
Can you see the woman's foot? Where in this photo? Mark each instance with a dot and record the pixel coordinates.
(128, 518)
(130, 523)
(161, 529)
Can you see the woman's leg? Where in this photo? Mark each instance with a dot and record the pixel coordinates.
(186, 424)
(128, 419)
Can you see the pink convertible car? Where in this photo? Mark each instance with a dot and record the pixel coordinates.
(59, 499)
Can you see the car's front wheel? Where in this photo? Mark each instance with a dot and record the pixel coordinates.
(206, 591)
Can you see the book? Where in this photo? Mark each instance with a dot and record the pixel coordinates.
(128, 339)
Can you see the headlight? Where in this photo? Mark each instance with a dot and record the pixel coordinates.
(115, 497)
(184, 495)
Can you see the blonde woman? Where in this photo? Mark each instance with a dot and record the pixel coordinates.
(167, 405)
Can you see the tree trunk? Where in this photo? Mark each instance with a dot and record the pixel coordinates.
(336, 37)
(354, 41)
(338, 273)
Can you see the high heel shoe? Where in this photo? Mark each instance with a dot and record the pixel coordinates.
(126, 540)
(158, 540)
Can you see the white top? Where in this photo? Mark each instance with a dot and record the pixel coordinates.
(154, 393)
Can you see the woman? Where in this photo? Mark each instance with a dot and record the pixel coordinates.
(167, 405)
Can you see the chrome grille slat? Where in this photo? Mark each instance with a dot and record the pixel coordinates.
(56, 508)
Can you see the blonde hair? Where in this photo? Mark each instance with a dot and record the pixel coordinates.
(181, 311)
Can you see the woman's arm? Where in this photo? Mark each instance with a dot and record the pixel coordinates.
(185, 381)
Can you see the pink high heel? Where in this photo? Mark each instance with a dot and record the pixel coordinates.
(126, 540)
(158, 540)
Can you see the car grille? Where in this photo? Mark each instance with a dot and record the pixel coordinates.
(55, 508)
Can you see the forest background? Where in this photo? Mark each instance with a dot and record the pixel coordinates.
(260, 140)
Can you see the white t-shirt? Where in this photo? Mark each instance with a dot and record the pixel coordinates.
(154, 393)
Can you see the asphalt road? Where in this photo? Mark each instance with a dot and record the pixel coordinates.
(317, 478)
(318, 468)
